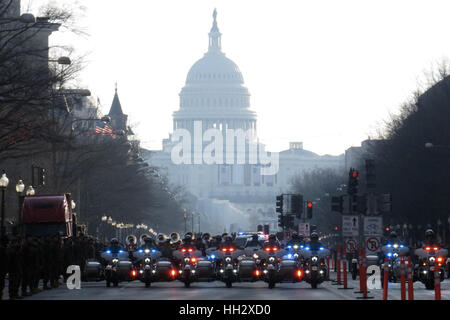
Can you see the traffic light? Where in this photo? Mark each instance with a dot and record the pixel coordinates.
(384, 203)
(337, 204)
(370, 173)
(353, 176)
(289, 221)
(387, 229)
(309, 209)
(41, 177)
(259, 228)
(336, 228)
(279, 203)
(297, 205)
(281, 221)
(266, 229)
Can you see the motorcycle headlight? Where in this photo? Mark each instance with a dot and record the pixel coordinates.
(314, 259)
(147, 260)
(395, 246)
(115, 260)
(227, 259)
(431, 259)
(186, 260)
(147, 251)
(255, 256)
(295, 255)
(395, 255)
(295, 246)
(271, 259)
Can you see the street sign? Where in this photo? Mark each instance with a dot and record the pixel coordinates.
(350, 245)
(373, 226)
(303, 229)
(373, 244)
(350, 226)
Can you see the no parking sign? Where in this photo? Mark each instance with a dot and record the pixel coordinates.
(350, 245)
(373, 244)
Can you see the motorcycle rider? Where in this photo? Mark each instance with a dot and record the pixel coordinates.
(430, 238)
(314, 243)
(272, 241)
(254, 242)
(148, 243)
(114, 245)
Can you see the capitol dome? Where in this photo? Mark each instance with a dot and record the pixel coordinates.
(214, 68)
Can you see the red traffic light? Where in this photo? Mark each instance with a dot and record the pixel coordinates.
(387, 229)
(355, 174)
(336, 228)
(309, 204)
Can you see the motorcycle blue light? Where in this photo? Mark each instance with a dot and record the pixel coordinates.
(212, 257)
(289, 247)
(120, 251)
(140, 250)
(389, 254)
(321, 248)
(307, 248)
(289, 256)
(389, 245)
(108, 251)
(153, 250)
(402, 246)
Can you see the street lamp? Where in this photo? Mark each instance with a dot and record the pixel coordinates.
(104, 218)
(185, 219)
(20, 187)
(30, 191)
(3, 184)
(73, 205)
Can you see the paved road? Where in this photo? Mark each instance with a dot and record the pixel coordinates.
(216, 291)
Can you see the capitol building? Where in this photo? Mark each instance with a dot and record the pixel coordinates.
(236, 194)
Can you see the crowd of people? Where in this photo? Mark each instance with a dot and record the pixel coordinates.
(27, 260)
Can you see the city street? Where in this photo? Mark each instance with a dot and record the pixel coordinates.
(240, 291)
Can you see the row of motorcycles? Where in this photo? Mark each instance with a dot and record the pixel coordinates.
(252, 261)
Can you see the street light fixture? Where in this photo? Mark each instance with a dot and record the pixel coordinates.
(3, 184)
(20, 187)
(73, 205)
(30, 191)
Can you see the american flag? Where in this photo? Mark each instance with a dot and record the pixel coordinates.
(103, 128)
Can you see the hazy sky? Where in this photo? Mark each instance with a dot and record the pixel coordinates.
(322, 72)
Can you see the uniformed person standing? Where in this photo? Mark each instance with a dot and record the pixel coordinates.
(3, 263)
(27, 266)
(47, 261)
(14, 253)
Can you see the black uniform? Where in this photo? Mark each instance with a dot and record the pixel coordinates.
(3, 264)
(14, 253)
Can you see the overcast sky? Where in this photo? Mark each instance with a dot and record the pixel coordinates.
(325, 72)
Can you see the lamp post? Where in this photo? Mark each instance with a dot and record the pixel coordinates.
(192, 222)
(185, 219)
(3, 184)
(20, 187)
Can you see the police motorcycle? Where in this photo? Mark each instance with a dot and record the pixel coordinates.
(118, 266)
(393, 250)
(315, 269)
(233, 265)
(192, 265)
(271, 255)
(147, 258)
(430, 255)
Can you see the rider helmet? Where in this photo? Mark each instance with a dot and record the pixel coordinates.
(314, 236)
